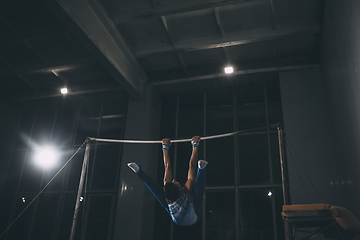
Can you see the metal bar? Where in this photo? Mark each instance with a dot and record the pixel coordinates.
(81, 184)
(287, 224)
(282, 164)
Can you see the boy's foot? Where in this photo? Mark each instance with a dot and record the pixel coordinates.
(202, 164)
(133, 166)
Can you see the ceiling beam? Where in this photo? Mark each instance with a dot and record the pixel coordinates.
(253, 36)
(91, 25)
(48, 67)
(70, 93)
(175, 8)
(239, 72)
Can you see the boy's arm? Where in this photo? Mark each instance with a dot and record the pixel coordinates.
(167, 164)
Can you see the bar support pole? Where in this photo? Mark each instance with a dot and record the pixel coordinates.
(81, 184)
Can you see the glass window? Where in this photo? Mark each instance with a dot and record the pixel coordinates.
(63, 126)
(88, 123)
(220, 215)
(274, 104)
(20, 229)
(256, 214)
(112, 121)
(168, 118)
(43, 126)
(188, 232)
(219, 113)
(220, 155)
(45, 217)
(25, 130)
(6, 205)
(32, 174)
(191, 116)
(98, 221)
(14, 171)
(105, 166)
(67, 215)
(253, 159)
(251, 108)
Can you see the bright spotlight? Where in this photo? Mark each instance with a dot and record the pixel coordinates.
(64, 91)
(229, 70)
(46, 157)
(270, 194)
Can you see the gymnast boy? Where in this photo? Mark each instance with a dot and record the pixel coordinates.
(184, 205)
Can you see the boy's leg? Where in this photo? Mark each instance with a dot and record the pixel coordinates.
(156, 190)
(199, 188)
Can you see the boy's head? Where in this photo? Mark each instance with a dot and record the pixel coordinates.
(172, 190)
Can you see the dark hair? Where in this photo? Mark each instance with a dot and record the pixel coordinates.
(172, 191)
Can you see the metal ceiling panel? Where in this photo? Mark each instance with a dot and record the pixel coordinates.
(144, 34)
(241, 18)
(193, 25)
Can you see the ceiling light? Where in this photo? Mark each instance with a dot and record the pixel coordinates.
(229, 70)
(64, 91)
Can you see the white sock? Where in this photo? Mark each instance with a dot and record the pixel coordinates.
(133, 166)
(202, 164)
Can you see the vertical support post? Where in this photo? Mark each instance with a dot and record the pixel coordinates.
(238, 215)
(282, 164)
(81, 184)
(270, 162)
(287, 225)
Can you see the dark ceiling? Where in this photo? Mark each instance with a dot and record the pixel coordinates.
(177, 46)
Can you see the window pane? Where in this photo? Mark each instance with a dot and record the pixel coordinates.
(188, 232)
(105, 166)
(219, 113)
(67, 214)
(88, 123)
(220, 155)
(191, 116)
(112, 121)
(168, 118)
(45, 217)
(220, 215)
(251, 108)
(63, 126)
(32, 174)
(256, 215)
(43, 126)
(14, 172)
(6, 205)
(274, 104)
(25, 129)
(254, 159)
(21, 226)
(99, 217)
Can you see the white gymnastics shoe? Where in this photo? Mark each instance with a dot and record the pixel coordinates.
(133, 166)
(202, 164)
